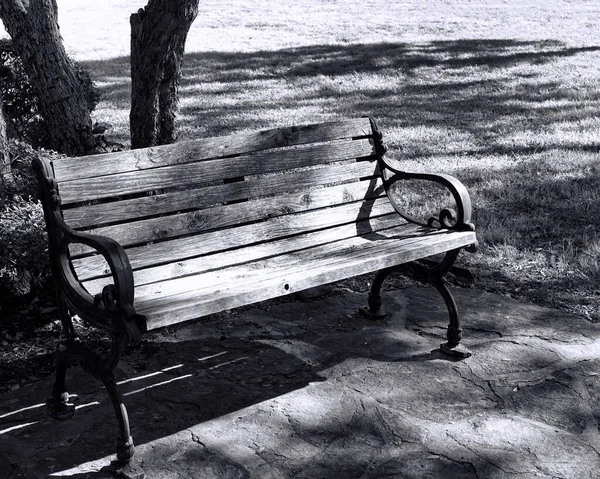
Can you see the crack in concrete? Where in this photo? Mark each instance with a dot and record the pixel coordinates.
(500, 400)
(480, 456)
(197, 440)
(456, 461)
(552, 339)
(473, 382)
(483, 330)
(502, 403)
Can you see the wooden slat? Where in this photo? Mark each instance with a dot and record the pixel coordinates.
(279, 227)
(252, 253)
(351, 250)
(208, 171)
(207, 148)
(164, 227)
(98, 214)
(195, 296)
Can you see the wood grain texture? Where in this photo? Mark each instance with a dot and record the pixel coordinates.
(67, 169)
(139, 208)
(246, 254)
(181, 299)
(208, 171)
(165, 227)
(280, 227)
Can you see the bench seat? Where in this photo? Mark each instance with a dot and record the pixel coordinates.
(197, 287)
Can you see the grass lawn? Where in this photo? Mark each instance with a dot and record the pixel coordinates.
(502, 94)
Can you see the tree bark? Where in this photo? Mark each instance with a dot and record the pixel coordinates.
(7, 182)
(158, 35)
(4, 156)
(33, 27)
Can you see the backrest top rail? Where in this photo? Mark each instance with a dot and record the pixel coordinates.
(66, 169)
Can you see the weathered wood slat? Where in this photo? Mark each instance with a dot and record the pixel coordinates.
(164, 227)
(207, 293)
(202, 172)
(98, 214)
(395, 240)
(206, 148)
(264, 250)
(208, 171)
(214, 241)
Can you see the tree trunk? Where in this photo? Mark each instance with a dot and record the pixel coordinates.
(7, 182)
(33, 27)
(158, 35)
(4, 156)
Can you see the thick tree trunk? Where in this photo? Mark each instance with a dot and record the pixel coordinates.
(33, 27)
(7, 181)
(4, 156)
(158, 35)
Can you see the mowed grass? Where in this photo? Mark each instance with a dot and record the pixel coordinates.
(503, 95)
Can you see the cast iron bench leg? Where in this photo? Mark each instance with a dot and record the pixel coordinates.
(103, 369)
(123, 466)
(426, 272)
(58, 405)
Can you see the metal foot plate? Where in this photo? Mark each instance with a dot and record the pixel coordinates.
(60, 410)
(124, 470)
(377, 314)
(458, 351)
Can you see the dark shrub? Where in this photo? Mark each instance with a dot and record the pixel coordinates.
(24, 264)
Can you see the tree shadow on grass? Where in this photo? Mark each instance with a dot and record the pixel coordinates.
(539, 224)
(467, 84)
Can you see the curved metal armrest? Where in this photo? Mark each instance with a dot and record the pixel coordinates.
(448, 218)
(115, 302)
(113, 308)
(120, 296)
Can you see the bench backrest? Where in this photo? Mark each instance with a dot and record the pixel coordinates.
(235, 190)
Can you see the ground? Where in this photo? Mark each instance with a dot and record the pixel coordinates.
(312, 389)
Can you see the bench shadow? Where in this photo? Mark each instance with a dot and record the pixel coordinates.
(181, 378)
(213, 369)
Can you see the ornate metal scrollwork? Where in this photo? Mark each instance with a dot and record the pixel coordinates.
(447, 219)
(380, 147)
(459, 219)
(107, 299)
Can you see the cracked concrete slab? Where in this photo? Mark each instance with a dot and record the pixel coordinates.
(314, 390)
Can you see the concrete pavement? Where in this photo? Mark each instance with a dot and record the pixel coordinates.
(313, 390)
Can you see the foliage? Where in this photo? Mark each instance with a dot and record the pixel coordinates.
(23, 247)
(24, 264)
(24, 120)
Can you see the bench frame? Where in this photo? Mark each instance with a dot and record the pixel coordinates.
(114, 306)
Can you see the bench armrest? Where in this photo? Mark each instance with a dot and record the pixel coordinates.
(118, 296)
(113, 308)
(448, 218)
(459, 219)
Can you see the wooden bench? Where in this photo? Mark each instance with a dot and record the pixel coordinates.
(149, 238)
